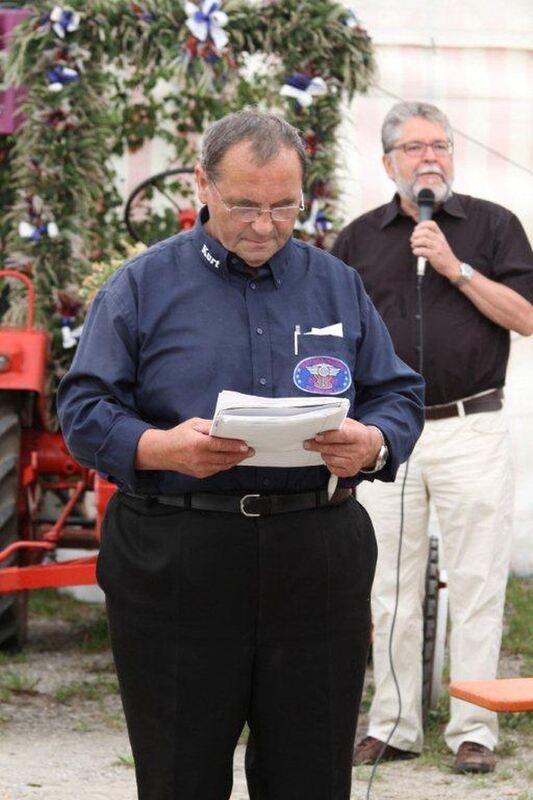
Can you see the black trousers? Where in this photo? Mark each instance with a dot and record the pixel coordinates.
(217, 620)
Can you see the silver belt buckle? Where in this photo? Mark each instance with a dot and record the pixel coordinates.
(243, 511)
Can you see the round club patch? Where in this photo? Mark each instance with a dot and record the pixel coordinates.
(322, 375)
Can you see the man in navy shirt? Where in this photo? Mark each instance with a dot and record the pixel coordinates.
(226, 610)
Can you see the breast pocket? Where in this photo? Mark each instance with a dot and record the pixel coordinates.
(324, 365)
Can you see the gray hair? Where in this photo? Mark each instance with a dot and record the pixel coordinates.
(401, 112)
(266, 133)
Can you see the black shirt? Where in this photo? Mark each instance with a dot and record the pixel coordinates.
(463, 352)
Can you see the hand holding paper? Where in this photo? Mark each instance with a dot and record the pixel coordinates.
(276, 428)
(348, 450)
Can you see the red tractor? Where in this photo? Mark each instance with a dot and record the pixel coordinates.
(43, 490)
(47, 500)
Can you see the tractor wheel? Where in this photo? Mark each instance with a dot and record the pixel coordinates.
(431, 608)
(13, 607)
(161, 205)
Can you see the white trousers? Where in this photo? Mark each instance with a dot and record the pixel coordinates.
(462, 465)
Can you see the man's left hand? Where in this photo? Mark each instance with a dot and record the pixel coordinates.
(349, 449)
(428, 240)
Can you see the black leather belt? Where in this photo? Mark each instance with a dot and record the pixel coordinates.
(251, 505)
(492, 401)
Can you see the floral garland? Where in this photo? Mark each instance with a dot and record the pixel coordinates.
(80, 66)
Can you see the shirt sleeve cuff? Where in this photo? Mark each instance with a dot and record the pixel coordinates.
(115, 459)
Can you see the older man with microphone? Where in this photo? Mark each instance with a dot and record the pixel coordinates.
(451, 275)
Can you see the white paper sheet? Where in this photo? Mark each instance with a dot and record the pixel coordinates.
(277, 427)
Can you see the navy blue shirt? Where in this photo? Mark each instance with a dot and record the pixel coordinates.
(184, 320)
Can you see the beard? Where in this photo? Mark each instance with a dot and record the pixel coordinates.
(410, 189)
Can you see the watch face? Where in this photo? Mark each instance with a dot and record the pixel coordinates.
(466, 271)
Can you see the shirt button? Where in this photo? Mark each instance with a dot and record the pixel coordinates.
(262, 381)
(259, 331)
(252, 285)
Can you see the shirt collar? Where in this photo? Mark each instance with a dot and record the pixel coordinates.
(391, 211)
(451, 206)
(210, 252)
(216, 258)
(454, 207)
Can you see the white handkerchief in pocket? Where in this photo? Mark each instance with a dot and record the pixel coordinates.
(329, 330)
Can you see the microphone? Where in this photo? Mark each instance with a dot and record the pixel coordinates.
(425, 201)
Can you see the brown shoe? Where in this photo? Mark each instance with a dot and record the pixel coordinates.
(369, 750)
(474, 757)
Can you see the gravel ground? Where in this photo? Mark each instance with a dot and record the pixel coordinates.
(62, 737)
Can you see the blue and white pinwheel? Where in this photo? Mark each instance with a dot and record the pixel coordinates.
(206, 22)
(69, 336)
(36, 232)
(316, 222)
(59, 76)
(303, 88)
(64, 21)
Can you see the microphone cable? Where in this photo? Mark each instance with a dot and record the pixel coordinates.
(419, 317)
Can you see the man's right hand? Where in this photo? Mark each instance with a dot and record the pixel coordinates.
(188, 448)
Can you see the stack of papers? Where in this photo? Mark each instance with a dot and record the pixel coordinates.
(276, 427)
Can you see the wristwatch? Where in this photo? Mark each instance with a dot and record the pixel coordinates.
(466, 273)
(383, 455)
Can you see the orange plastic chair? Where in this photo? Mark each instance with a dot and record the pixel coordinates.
(501, 694)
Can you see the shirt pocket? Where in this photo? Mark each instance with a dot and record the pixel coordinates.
(324, 365)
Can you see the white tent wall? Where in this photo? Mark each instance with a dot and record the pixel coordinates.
(474, 60)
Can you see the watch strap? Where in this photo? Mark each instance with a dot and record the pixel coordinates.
(383, 454)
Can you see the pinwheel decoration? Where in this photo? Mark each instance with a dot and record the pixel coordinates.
(59, 76)
(303, 88)
(207, 22)
(63, 21)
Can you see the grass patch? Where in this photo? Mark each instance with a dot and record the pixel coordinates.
(13, 682)
(89, 620)
(114, 720)
(94, 635)
(435, 752)
(517, 637)
(10, 658)
(86, 690)
(54, 604)
(506, 747)
(521, 721)
(363, 772)
(124, 761)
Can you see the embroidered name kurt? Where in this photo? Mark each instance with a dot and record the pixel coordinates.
(211, 258)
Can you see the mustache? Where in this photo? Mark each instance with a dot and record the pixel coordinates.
(430, 170)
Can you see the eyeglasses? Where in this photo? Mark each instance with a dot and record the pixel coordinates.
(252, 213)
(418, 149)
